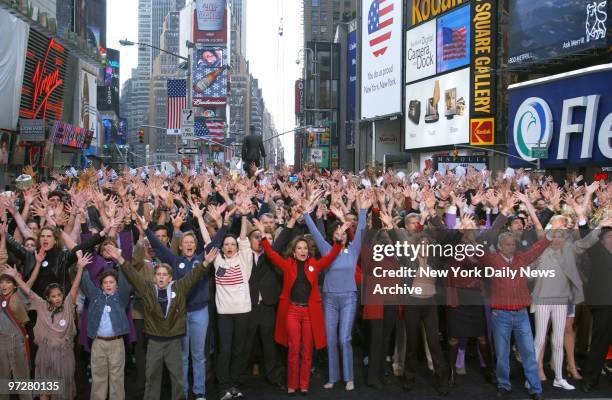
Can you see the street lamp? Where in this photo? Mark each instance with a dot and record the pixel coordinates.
(125, 42)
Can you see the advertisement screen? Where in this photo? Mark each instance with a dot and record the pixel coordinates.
(381, 58)
(538, 118)
(421, 52)
(453, 38)
(542, 30)
(209, 76)
(438, 111)
(210, 22)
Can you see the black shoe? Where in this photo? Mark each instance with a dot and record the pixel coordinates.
(291, 394)
(236, 394)
(502, 393)
(536, 396)
(587, 387)
(226, 396)
(304, 392)
(376, 385)
(408, 385)
(490, 376)
(443, 390)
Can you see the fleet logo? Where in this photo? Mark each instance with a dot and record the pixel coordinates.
(482, 131)
(380, 23)
(532, 126)
(596, 21)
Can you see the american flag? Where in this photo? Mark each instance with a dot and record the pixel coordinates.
(177, 100)
(453, 43)
(208, 129)
(380, 19)
(227, 277)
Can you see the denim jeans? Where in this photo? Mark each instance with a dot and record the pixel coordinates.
(504, 324)
(340, 309)
(193, 342)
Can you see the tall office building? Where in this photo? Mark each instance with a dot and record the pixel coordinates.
(238, 9)
(322, 16)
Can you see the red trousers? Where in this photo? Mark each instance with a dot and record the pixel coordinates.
(299, 333)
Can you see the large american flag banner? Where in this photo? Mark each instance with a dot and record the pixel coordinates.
(453, 43)
(380, 19)
(177, 101)
(209, 129)
(231, 276)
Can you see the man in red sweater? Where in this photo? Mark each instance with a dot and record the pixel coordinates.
(509, 301)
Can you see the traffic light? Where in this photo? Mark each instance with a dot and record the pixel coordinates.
(141, 136)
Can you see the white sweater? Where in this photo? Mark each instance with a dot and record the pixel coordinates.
(232, 280)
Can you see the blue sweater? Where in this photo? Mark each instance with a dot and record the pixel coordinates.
(198, 296)
(340, 277)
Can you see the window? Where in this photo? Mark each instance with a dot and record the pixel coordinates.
(315, 29)
(323, 16)
(315, 3)
(323, 28)
(314, 15)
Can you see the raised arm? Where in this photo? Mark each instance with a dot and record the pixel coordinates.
(320, 241)
(11, 271)
(187, 282)
(82, 262)
(355, 245)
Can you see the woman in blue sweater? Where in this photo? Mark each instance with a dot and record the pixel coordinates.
(340, 293)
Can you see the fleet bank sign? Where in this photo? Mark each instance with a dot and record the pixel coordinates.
(569, 116)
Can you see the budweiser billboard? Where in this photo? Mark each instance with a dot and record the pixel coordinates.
(210, 22)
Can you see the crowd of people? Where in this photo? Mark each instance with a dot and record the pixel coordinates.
(190, 273)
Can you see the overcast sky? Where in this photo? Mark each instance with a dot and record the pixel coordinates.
(271, 57)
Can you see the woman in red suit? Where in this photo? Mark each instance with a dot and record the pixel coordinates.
(299, 320)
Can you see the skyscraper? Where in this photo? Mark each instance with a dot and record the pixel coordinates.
(322, 16)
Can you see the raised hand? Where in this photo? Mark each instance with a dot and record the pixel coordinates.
(386, 219)
(258, 225)
(114, 252)
(341, 229)
(83, 259)
(178, 219)
(209, 258)
(40, 255)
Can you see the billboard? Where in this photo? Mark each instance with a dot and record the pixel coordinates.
(453, 40)
(421, 52)
(299, 100)
(381, 58)
(424, 10)
(209, 76)
(210, 22)
(351, 89)
(483, 44)
(108, 99)
(543, 30)
(438, 110)
(569, 115)
(42, 93)
(87, 115)
(68, 135)
(14, 34)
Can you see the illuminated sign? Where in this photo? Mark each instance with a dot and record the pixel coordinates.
(424, 10)
(44, 77)
(482, 72)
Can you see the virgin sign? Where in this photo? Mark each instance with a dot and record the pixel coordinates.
(43, 83)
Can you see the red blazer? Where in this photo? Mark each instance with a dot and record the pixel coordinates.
(312, 269)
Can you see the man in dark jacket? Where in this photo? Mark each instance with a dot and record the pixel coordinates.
(252, 150)
(265, 287)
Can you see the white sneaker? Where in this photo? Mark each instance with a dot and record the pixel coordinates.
(527, 385)
(563, 384)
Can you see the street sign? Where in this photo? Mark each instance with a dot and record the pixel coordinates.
(188, 150)
(187, 122)
(539, 152)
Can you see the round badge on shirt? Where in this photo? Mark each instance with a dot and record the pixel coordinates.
(310, 268)
(182, 265)
(62, 322)
(524, 243)
(107, 308)
(173, 295)
(4, 304)
(45, 264)
(346, 251)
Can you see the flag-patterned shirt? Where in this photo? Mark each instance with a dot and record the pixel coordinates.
(232, 280)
